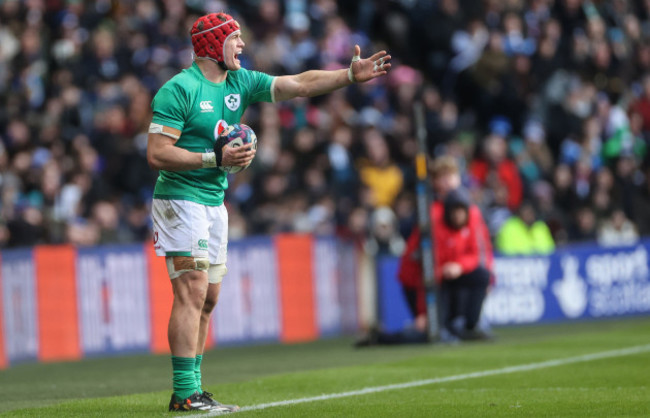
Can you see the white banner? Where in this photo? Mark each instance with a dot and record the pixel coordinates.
(113, 298)
(249, 307)
(19, 305)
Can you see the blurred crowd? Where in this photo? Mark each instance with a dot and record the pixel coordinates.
(545, 104)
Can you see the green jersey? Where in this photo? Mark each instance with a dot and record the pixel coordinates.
(198, 107)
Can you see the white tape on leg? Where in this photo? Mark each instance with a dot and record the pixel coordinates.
(216, 273)
(186, 265)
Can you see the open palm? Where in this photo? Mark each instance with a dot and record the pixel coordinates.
(368, 68)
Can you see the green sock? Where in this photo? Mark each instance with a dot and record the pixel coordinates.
(197, 371)
(184, 380)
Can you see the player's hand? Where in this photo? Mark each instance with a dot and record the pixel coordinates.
(237, 156)
(451, 270)
(420, 323)
(368, 68)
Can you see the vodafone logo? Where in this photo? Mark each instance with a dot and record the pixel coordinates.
(206, 106)
(219, 128)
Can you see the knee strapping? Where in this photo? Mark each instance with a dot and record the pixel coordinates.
(216, 273)
(179, 265)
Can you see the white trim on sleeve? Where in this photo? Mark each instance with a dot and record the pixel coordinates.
(273, 89)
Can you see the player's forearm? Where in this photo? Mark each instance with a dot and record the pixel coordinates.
(173, 158)
(317, 82)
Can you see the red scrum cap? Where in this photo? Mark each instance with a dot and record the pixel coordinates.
(209, 34)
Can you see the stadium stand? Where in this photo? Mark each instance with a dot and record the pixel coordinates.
(541, 101)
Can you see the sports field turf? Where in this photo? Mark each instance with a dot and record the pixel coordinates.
(590, 369)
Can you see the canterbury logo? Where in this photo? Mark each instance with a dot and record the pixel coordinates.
(206, 106)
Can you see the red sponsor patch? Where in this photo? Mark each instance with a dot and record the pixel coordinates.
(221, 126)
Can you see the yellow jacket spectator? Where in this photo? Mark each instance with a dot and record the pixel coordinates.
(524, 235)
(384, 182)
(378, 172)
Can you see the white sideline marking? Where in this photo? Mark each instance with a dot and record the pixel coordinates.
(505, 370)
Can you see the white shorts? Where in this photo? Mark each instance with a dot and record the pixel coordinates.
(188, 229)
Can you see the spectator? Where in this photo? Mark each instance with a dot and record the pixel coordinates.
(385, 238)
(544, 201)
(565, 193)
(603, 194)
(463, 260)
(524, 234)
(74, 89)
(641, 105)
(617, 231)
(497, 211)
(462, 246)
(534, 159)
(344, 176)
(28, 229)
(495, 165)
(445, 176)
(378, 172)
(583, 227)
(641, 205)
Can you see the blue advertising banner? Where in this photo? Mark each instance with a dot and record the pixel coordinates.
(113, 295)
(579, 282)
(19, 305)
(394, 313)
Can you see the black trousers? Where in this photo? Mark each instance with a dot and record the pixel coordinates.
(462, 297)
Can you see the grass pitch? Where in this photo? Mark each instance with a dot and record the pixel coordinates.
(534, 371)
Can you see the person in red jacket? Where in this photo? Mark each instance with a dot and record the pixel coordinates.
(463, 262)
(463, 254)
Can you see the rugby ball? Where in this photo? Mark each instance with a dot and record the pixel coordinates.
(238, 136)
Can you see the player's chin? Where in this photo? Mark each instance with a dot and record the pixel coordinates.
(234, 65)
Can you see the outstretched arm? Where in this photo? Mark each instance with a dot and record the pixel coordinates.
(317, 82)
